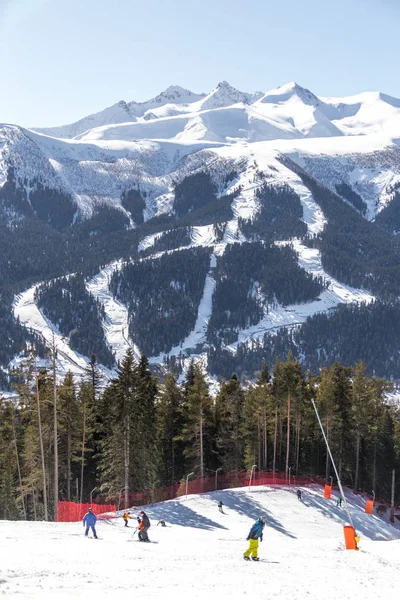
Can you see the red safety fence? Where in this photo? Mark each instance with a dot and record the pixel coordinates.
(210, 484)
(72, 511)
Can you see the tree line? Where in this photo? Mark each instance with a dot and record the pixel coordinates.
(62, 440)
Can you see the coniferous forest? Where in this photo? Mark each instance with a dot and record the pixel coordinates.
(62, 439)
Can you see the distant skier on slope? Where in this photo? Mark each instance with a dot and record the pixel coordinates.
(90, 520)
(339, 501)
(220, 506)
(144, 526)
(126, 516)
(298, 494)
(255, 534)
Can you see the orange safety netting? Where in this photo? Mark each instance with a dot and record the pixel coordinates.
(72, 511)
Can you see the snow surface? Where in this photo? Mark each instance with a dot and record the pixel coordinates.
(29, 314)
(199, 554)
(116, 324)
(26, 310)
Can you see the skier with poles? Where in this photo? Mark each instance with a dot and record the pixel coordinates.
(255, 534)
(144, 526)
(126, 516)
(90, 520)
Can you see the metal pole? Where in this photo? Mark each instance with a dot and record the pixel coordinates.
(251, 475)
(187, 482)
(290, 471)
(392, 499)
(91, 494)
(152, 490)
(331, 478)
(216, 477)
(373, 496)
(334, 466)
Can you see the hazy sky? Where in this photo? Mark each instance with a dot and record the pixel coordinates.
(63, 59)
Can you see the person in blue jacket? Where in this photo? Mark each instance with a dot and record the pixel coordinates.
(255, 534)
(90, 520)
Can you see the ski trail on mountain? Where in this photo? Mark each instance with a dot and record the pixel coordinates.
(198, 335)
(31, 317)
(116, 323)
(278, 316)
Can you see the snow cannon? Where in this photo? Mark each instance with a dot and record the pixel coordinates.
(351, 539)
(369, 505)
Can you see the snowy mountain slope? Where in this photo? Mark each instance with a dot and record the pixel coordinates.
(127, 145)
(199, 553)
(123, 112)
(237, 140)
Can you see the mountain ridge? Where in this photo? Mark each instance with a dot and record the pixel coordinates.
(226, 183)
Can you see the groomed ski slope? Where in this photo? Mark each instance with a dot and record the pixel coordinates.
(199, 554)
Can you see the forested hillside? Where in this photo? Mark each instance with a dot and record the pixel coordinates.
(140, 430)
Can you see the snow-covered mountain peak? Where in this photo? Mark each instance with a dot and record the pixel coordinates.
(226, 95)
(290, 91)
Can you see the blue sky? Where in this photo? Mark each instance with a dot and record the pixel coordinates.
(63, 59)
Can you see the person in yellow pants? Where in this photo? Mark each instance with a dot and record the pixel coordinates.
(255, 534)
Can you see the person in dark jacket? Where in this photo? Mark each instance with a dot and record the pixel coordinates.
(144, 526)
(220, 506)
(255, 534)
(90, 520)
(298, 494)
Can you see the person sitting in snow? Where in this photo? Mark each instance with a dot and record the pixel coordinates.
(255, 534)
(161, 522)
(144, 526)
(126, 516)
(90, 520)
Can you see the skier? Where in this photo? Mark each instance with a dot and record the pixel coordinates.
(298, 494)
(90, 520)
(126, 516)
(144, 526)
(255, 533)
(339, 501)
(220, 505)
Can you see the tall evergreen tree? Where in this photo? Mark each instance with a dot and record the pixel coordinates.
(169, 425)
(230, 439)
(198, 423)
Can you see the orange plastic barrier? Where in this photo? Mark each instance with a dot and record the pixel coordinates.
(369, 505)
(350, 538)
(72, 511)
(327, 491)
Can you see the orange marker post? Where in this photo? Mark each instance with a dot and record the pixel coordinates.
(369, 505)
(350, 537)
(327, 491)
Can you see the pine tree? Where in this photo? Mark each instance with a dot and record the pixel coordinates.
(169, 424)
(230, 439)
(69, 433)
(197, 427)
(362, 406)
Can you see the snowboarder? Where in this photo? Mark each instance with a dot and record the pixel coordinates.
(144, 526)
(220, 505)
(255, 534)
(339, 501)
(298, 494)
(126, 516)
(90, 520)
